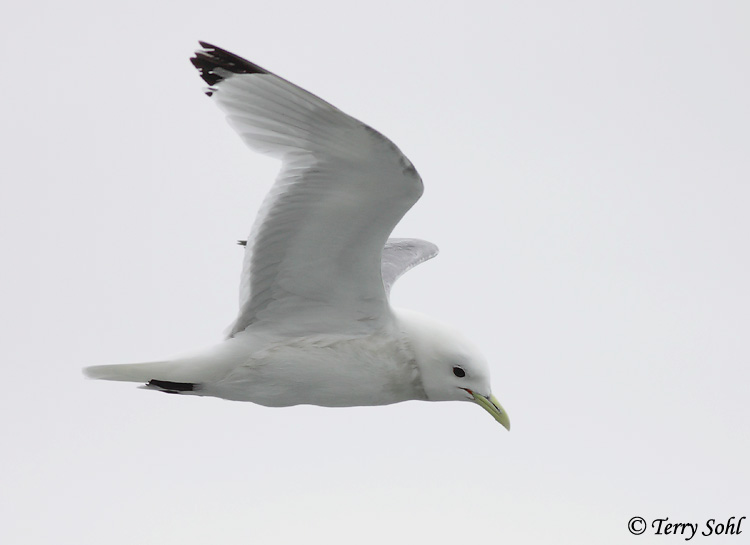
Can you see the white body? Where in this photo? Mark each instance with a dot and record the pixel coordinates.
(325, 370)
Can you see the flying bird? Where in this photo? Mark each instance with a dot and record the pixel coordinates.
(315, 325)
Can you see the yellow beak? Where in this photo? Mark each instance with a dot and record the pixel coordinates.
(492, 406)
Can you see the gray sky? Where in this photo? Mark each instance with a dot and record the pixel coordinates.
(586, 178)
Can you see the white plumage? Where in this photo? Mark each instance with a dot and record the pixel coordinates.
(315, 325)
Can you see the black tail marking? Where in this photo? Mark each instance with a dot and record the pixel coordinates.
(208, 59)
(171, 387)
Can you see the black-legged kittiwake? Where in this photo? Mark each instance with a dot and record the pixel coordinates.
(315, 325)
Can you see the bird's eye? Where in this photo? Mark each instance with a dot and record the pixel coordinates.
(460, 373)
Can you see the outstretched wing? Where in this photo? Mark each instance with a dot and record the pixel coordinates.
(312, 261)
(401, 255)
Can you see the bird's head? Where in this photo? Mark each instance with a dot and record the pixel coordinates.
(450, 367)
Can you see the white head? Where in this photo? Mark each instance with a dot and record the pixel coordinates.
(451, 368)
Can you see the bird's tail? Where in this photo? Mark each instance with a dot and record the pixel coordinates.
(128, 372)
(160, 375)
(185, 373)
(169, 371)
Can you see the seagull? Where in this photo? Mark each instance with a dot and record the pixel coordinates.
(315, 324)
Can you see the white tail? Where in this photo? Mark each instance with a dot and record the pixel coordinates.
(205, 365)
(134, 372)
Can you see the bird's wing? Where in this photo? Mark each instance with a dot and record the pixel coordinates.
(401, 255)
(312, 261)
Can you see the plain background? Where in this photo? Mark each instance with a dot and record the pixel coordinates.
(586, 172)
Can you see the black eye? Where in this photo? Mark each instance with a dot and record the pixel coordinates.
(460, 373)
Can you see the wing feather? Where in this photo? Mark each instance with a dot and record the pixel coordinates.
(400, 255)
(313, 258)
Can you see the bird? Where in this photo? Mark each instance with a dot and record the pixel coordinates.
(315, 325)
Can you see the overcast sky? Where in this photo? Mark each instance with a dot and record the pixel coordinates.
(586, 178)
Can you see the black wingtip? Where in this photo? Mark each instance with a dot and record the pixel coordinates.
(215, 63)
(171, 387)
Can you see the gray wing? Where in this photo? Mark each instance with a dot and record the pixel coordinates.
(401, 255)
(312, 259)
